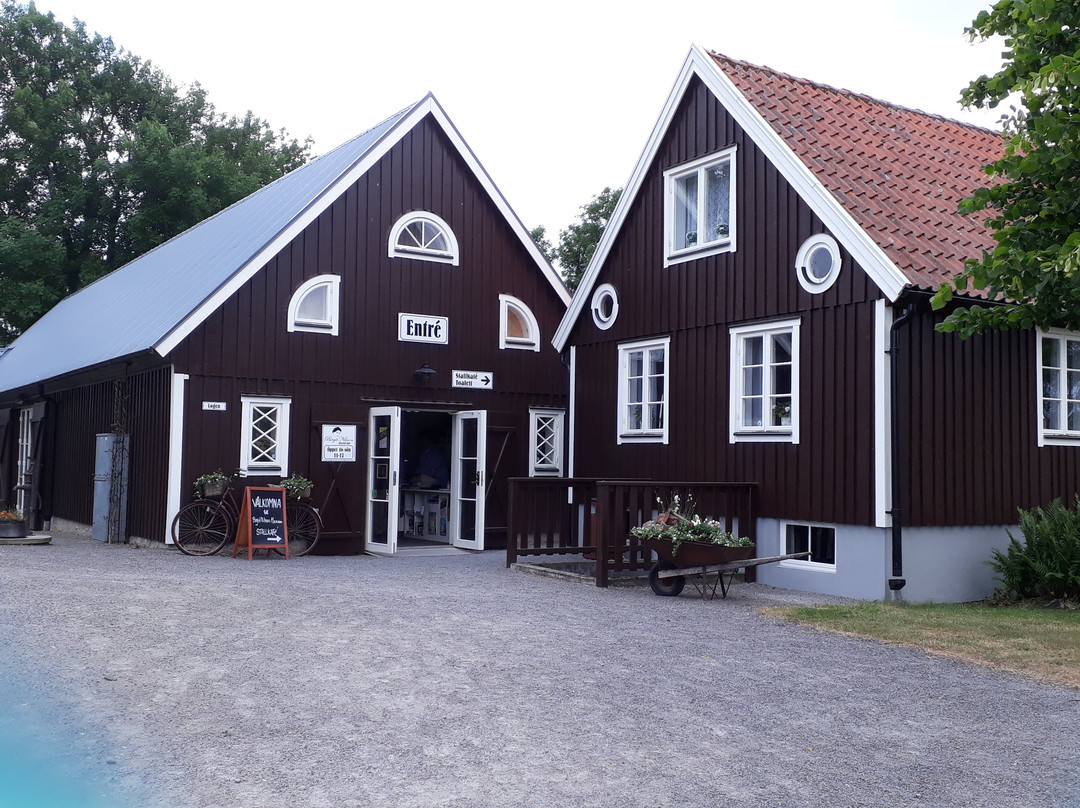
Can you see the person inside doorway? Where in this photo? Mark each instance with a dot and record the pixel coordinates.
(432, 469)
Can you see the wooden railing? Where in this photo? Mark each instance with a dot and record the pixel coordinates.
(551, 516)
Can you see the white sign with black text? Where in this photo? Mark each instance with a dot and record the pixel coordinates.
(339, 443)
(422, 328)
(475, 379)
(215, 406)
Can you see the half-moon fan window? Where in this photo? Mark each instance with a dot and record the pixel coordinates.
(519, 328)
(425, 237)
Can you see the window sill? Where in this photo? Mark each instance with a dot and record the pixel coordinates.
(262, 472)
(642, 437)
(1058, 439)
(809, 566)
(682, 256)
(786, 436)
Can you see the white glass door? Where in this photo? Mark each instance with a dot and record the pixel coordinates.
(467, 483)
(25, 460)
(384, 458)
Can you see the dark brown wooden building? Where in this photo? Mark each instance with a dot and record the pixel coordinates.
(775, 239)
(379, 321)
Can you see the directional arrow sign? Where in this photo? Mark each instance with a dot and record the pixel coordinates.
(475, 379)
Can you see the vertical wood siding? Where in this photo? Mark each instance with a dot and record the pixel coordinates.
(78, 415)
(244, 349)
(971, 429)
(829, 475)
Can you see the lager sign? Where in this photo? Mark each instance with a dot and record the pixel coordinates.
(339, 443)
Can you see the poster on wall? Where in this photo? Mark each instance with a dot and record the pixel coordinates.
(339, 443)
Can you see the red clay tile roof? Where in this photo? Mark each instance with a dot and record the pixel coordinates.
(899, 173)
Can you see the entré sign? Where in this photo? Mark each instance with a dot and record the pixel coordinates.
(423, 328)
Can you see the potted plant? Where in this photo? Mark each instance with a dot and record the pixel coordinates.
(682, 538)
(211, 485)
(297, 486)
(13, 524)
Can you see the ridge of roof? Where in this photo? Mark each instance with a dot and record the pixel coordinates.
(790, 77)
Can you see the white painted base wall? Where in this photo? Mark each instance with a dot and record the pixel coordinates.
(943, 564)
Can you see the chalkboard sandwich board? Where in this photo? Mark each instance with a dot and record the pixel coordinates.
(262, 522)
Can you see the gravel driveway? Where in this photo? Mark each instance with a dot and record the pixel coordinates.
(449, 681)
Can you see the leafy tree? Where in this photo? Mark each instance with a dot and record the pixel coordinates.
(1032, 202)
(103, 158)
(577, 243)
(539, 235)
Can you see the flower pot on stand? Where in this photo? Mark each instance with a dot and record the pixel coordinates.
(213, 490)
(14, 530)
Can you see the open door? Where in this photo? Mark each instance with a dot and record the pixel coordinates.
(384, 431)
(467, 473)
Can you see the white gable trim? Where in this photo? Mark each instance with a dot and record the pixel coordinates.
(425, 107)
(855, 240)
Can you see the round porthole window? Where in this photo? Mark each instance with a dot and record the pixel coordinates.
(605, 306)
(818, 263)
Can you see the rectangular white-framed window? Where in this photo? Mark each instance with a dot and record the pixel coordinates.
(1058, 357)
(643, 392)
(819, 540)
(699, 208)
(546, 442)
(264, 436)
(765, 382)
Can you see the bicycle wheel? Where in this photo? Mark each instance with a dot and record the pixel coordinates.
(303, 525)
(201, 528)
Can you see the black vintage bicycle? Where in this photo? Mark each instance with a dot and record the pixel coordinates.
(204, 526)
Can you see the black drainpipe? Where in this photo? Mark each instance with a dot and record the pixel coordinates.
(896, 582)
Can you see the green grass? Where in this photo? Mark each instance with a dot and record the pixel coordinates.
(1037, 642)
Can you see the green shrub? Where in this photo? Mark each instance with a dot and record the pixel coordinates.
(1047, 563)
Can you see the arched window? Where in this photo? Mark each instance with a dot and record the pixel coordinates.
(314, 306)
(423, 237)
(517, 325)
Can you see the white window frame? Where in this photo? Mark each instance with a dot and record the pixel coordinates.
(449, 256)
(330, 324)
(808, 282)
(250, 466)
(807, 564)
(530, 343)
(552, 467)
(1050, 436)
(677, 255)
(624, 433)
(737, 432)
(605, 292)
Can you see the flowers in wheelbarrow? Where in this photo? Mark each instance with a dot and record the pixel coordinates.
(678, 523)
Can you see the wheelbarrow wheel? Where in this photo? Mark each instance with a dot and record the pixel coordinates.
(665, 587)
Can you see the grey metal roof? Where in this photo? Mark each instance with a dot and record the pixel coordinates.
(134, 308)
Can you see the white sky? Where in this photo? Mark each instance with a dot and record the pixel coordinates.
(556, 98)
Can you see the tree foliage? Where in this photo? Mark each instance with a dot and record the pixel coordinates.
(102, 158)
(1031, 202)
(577, 243)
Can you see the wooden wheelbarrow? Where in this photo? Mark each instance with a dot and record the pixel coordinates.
(705, 565)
